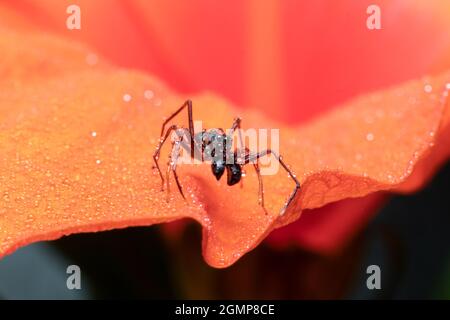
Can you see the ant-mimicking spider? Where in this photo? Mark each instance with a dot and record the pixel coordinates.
(215, 145)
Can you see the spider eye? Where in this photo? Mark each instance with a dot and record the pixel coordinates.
(218, 168)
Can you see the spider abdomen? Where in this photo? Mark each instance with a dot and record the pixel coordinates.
(218, 168)
(234, 173)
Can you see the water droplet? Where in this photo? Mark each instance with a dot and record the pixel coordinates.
(428, 88)
(148, 94)
(94, 134)
(370, 136)
(447, 86)
(98, 161)
(127, 97)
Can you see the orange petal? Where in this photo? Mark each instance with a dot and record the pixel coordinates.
(329, 229)
(77, 157)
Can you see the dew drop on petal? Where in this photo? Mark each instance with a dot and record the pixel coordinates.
(94, 134)
(98, 161)
(428, 88)
(148, 94)
(126, 97)
(370, 136)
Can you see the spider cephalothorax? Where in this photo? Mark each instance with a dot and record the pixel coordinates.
(214, 146)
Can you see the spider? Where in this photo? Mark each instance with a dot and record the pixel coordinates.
(214, 145)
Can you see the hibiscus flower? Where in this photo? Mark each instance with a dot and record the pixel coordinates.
(359, 111)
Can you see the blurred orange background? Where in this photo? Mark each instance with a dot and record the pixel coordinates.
(292, 59)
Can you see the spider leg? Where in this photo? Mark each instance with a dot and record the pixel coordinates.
(247, 155)
(167, 178)
(261, 188)
(158, 151)
(252, 158)
(237, 126)
(188, 104)
(178, 183)
(172, 166)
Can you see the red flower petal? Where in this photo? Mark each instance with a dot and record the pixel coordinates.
(280, 78)
(57, 177)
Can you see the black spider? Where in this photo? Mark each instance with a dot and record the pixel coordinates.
(214, 145)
